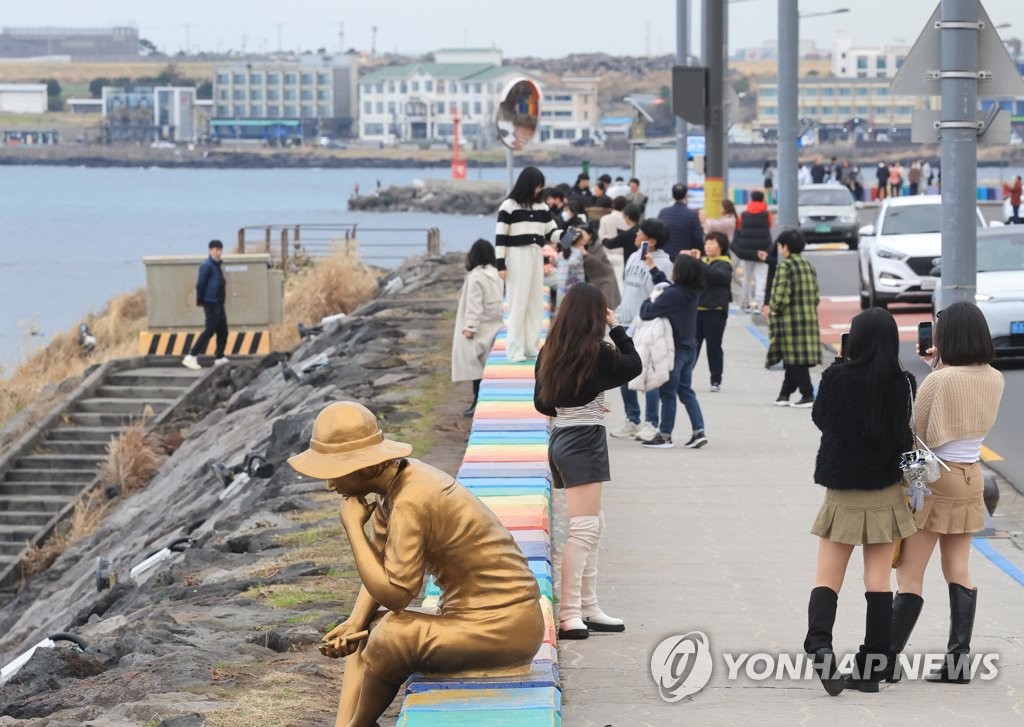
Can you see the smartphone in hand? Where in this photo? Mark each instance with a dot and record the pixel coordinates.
(842, 346)
(643, 250)
(924, 337)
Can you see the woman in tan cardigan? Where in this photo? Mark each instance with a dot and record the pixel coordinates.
(956, 407)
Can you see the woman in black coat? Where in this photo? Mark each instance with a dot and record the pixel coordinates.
(863, 411)
(713, 304)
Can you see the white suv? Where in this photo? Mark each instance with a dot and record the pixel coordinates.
(899, 251)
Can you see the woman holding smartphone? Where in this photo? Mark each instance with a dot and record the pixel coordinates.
(954, 411)
(574, 370)
(862, 411)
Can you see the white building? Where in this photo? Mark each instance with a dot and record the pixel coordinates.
(23, 98)
(570, 112)
(419, 101)
(849, 61)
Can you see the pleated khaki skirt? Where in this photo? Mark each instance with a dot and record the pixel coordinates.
(865, 517)
(957, 502)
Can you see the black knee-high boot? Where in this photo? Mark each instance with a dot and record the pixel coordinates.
(872, 663)
(821, 618)
(906, 608)
(963, 602)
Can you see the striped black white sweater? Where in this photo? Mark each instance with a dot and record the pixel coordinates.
(519, 226)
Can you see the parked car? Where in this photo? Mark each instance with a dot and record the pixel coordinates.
(1000, 292)
(899, 251)
(828, 214)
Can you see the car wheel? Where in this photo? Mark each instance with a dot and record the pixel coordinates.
(853, 243)
(873, 300)
(865, 302)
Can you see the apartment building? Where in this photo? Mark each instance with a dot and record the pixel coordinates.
(849, 61)
(570, 112)
(307, 96)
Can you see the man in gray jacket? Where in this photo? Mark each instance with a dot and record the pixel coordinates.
(637, 285)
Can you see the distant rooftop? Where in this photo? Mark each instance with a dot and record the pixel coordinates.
(475, 72)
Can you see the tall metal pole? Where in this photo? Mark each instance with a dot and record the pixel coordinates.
(789, 61)
(959, 128)
(725, 109)
(510, 167)
(714, 128)
(682, 51)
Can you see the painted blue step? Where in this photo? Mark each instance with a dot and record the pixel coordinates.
(542, 674)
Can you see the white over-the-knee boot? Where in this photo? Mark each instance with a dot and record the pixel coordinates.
(593, 617)
(583, 536)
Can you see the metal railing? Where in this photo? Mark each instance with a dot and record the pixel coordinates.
(290, 243)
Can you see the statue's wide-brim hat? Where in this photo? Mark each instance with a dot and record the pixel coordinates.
(346, 438)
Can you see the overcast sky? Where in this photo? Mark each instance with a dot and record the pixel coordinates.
(517, 27)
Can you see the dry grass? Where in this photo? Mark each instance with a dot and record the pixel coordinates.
(273, 698)
(89, 513)
(335, 284)
(117, 332)
(30, 71)
(133, 458)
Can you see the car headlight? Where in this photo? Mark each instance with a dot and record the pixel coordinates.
(982, 297)
(884, 252)
(805, 220)
(848, 218)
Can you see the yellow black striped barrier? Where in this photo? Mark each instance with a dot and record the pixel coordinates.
(179, 342)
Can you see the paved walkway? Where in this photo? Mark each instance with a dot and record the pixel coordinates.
(718, 540)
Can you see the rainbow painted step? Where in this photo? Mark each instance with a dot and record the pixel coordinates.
(501, 707)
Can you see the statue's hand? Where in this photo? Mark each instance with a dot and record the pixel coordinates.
(342, 640)
(355, 511)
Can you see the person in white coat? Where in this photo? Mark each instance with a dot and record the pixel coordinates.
(478, 319)
(524, 226)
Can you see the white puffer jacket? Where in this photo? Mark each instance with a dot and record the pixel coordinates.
(654, 342)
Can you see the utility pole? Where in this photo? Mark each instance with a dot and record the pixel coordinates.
(958, 124)
(682, 51)
(789, 62)
(373, 42)
(714, 127)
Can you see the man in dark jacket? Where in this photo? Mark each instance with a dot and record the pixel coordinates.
(685, 232)
(625, 240)
(581, 190)
(211, 292)
(753, 236)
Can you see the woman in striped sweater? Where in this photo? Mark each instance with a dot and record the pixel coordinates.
(524, 226)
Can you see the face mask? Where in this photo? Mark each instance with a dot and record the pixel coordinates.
(566, 215)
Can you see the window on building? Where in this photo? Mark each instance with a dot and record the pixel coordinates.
(453, 87)
(291, 111)
(391, 86)
(367, 107)
(323, 78)
(380, 87)
(223, 110)
(769, 110)
(367, 88)
(255, 111)
(881, 63)
(380, 107)
(415, 86)
(862, 63)
(439, 107)
(323, 111)
(256, 78)
(239, 112)
(239, 78)
(828, 91)
(273, 112)
(862, 92)
(881, 91)
(471, 129)
(478, 107)
(289, 94)
(391, 108)
(444, 130)
(862, 110)
(844, 91)
(222, 94)
(428, 86)
(255, 95)
(223, 78)
(465, 88)
(290, 79)
(273, 94)
(373, 129)
(308, 112)
(239, 94)
(273, 79)
(323, 95)
(905, 110)
(306, 94)
(827, 110)
(811, 92)
(811, 110)
(490, 108)
(862, 74)
(478, 88)
(844, 110)
(769, 91)
(403, 87)
(306, 79)
(899, 61)
(465, 108)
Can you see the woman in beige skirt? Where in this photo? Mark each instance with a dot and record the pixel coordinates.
(954, 411)
(862, 410)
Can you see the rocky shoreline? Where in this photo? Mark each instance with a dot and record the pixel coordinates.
(224, 632)
(437, 196)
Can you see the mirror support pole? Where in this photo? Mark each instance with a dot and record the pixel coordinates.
(510, 167)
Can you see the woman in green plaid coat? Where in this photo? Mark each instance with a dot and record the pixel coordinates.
(794, 335)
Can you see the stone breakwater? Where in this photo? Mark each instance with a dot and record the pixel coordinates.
(439, 196)
(238, 614)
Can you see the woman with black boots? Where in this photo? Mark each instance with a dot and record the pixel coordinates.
(956, 408)
(575, 368)
(862, 410)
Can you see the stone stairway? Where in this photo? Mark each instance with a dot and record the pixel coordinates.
(44, 474)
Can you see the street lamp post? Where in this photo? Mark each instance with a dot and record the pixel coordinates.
(789, 78)
(682, 50)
